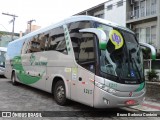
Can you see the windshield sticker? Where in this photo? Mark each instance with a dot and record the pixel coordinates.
(74, 73)
(116, 38)
(132, 73)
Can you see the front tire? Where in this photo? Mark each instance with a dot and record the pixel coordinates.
(13, 79)
(60, 93)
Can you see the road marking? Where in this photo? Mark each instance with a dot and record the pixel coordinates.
(151, 106)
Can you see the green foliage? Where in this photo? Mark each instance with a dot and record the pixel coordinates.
(152, 75)
(1, 33)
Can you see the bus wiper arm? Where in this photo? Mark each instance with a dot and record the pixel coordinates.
(137, 69)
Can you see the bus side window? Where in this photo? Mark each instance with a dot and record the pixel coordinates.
(57, 41)
(82, 45)
(34, 45)
(75, 35)
(42, 40)
(86, 52)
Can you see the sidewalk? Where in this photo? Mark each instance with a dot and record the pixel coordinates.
(148, 106)
(152, 101)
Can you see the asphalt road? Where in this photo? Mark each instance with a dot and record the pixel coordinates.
(24, 98)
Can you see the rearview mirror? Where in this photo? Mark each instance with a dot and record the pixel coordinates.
(153, 50)
(100, 34)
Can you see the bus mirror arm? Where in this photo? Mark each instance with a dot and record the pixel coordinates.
(100, 34)
(153, 50)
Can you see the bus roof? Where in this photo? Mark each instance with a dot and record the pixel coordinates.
(3, 49)
(74, 19)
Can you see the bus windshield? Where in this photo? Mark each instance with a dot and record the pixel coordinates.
(122, 57)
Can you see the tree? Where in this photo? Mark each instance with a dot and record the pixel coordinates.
(152, 75)
(1, 33)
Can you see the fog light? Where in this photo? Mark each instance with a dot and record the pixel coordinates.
(130, 102)
(106, 101)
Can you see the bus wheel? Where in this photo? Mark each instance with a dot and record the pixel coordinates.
(13, 78)
(60, 93)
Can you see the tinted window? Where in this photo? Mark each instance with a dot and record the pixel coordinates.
(120, 3)
(76, 36)
(109, 7)
(86, 46)
(51, 40)
(83, 45)
(36, 43)
(57, 41)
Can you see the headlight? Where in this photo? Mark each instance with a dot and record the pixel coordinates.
(106, 88)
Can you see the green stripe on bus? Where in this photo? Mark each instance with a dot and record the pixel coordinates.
(22, 75)
(141, 86)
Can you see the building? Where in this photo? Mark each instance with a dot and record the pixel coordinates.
(115, 11)
(32, 28)
(97, 11)
(112, 10)
(142, 16)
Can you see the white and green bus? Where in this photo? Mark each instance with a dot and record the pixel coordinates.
(84, 59)
(3, 51)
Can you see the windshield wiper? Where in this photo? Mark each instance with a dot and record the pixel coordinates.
(137, 69)
(132, 60)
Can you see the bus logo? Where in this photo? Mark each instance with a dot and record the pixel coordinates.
(32, 59)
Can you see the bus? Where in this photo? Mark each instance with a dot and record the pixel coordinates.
(85, 59)
(3, 51)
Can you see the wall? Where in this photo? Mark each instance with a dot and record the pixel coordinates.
(144, 26)
(158, 23)
(99, 12)
(117, 14)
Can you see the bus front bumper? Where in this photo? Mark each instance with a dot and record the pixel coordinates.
(103, 99)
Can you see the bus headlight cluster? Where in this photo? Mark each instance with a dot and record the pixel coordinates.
(106, 88)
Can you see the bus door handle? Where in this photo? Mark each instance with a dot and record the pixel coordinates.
(80, 79)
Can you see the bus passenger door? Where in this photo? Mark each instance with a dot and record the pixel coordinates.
(85, 86)
(82, 86)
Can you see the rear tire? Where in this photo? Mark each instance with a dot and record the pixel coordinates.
(13, 78)
(60, 93)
